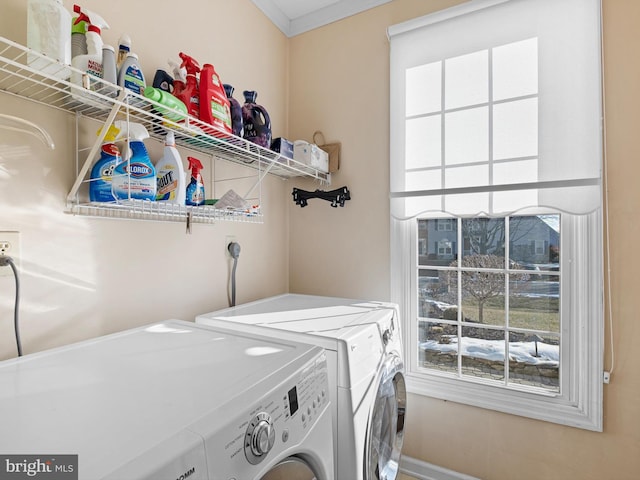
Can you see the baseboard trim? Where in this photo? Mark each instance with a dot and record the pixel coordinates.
(427, 471)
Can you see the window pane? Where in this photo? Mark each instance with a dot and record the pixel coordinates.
(423, 142)
(483, 236)
(467, 176)
(437, 244)
(483, 297)
(438, 346)
(482, 353)
(534, 360)
(467, 136)
(515, 129)
(437, 297)
(424, 90)
(467, 80)
(534, 242)
(534, 302)
(515, 69)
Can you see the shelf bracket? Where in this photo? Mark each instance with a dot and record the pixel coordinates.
(96, 146)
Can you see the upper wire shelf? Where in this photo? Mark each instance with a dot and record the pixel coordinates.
(105, 102)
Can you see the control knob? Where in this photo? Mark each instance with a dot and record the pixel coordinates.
(259, 438)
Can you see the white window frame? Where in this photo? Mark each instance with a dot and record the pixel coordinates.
(579, 403)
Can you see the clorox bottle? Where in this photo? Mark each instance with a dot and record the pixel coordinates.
(100, 189)
(135, 178)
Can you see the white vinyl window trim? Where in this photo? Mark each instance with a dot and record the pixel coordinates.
(579, 403)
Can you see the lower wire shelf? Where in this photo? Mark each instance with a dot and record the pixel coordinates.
(163, 212)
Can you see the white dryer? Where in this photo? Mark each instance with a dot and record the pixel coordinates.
(173, 400)
(366, 371)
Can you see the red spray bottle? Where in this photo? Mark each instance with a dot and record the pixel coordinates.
(189, 95)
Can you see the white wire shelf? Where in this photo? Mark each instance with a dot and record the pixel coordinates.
(164, 212)
(106, 102)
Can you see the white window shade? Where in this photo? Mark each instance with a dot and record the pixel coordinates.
(496, 107)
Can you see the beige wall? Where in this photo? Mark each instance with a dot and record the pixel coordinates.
(84, 277)
(339, 84)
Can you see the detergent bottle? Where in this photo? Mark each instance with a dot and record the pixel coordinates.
(91, 63)
(130, 75)
(102, 171)
(237, 125)
(195, 189)
(214, 104)
(189, 95)
(257, 124)
(124, 47)
(48, 32)
(135, 176)
(170, 174)
(169, 101)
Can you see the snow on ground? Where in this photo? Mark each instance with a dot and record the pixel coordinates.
(495, 350)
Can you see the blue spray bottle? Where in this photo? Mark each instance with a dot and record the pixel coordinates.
(100, 189)
(195, 188)
(135, 176)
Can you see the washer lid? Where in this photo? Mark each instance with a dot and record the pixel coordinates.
(112, 398)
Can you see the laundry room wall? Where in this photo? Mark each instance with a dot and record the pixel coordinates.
(340, 85)
(82, 277)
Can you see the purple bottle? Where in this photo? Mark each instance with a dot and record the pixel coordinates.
(237, 125)
(257, 125)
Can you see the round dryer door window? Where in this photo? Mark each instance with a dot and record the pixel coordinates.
(386, 423)
(292, 468)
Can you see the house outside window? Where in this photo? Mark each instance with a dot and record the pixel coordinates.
(496, 206)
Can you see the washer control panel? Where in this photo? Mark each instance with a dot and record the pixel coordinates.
(245, 438)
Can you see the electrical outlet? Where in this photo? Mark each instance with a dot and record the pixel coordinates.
(9, 246)
(227, 240)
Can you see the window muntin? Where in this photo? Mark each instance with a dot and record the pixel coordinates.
(492, 306)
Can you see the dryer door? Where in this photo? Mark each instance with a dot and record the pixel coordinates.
(385, 432)
(292, 468)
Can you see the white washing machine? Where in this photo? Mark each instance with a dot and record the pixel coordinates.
(366, 371)
(173, 400)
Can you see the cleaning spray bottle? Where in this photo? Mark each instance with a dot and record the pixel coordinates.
(170, 174)
(135, 176)
(78, 37)
(190, 95)
(91, 63)
(102, 171)
(195, 189)
(214, 104)
(179, 78)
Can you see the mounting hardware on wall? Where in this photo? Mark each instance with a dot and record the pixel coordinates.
(336, 197)
(9, 246)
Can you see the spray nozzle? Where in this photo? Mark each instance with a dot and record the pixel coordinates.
(195, 166)
(113, 134)
(95, 23)
(189, 63)
(179, 73)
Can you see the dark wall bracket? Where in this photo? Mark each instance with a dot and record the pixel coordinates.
(336, 197)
